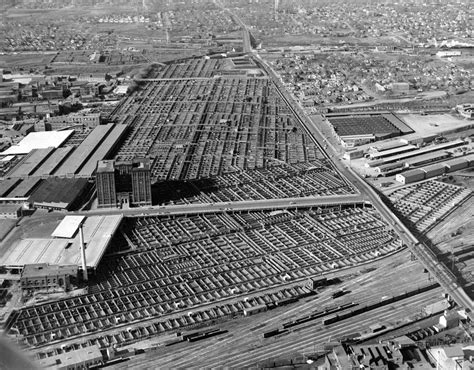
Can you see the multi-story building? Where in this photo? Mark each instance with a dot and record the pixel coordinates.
(105, 184)
(123, 184)
(42, 276)
(59, 122)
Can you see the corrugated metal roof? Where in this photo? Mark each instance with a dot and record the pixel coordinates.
(390, 145)
(426, 157)
(393, 151)
(414, 172)
(460, 160)
(425, 150)
(83, 152)
(434, 166)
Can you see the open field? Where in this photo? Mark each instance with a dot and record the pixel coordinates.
(25, 60)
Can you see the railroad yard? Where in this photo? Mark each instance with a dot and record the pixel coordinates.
(245, 346)
(184, 262)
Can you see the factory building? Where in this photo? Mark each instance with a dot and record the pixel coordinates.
(59, 122)
(43, 276)
(434, 170)
(410, 176)
(82, 358)
(123, 184)
(13, 211)
(456, 164)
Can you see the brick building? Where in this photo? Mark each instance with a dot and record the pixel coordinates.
(42, 276)
(123, 184)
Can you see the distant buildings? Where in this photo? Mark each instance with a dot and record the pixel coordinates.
(448, 53)
(123, 184)
(399, 353)
(400, 87)
(466, 110)
(86, 119)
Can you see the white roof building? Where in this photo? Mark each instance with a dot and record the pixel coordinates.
(39, 140)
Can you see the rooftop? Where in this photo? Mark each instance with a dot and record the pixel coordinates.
(106, 165)
(71, 359)
(39, 140)
(68, 226)
(98, 231)
(44, 269)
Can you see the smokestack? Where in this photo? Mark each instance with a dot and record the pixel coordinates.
(83, 253)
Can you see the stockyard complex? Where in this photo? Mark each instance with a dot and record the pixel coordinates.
(261, 235)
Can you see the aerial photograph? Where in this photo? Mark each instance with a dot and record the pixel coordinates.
(237, 184)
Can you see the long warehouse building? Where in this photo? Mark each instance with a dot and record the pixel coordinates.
(53, 161)
(84, 151)
(98, 144)
(31, 163)
(394, 151)
(25, 188)
(425, 150)
(103, 150)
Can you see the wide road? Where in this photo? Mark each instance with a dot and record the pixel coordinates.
(247, 47)
(269, 204)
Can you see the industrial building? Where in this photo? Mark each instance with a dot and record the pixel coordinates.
(359, 129)
(25, 188)
(85, 119)
(456, 164)
(399, 353)
(123, 184)
(98, 145)
(436, 169)
(43, 156)
(63, 247)
(382, 147)
(43, 276)
(410, 176)
(393, 151)
(13, 211)
(390, 168)
(82, 358)
(58, 193)
(39, 140)
(426, 150)
(427, 158)
(466, 110)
